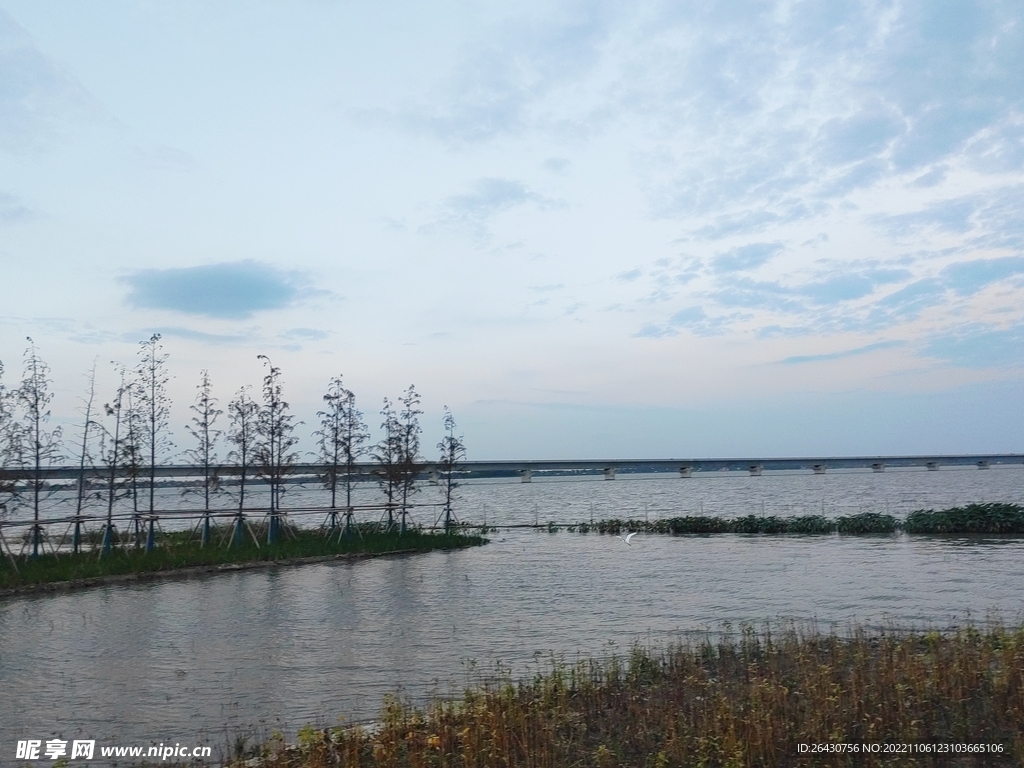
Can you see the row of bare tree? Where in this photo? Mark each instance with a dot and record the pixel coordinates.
(129, 436)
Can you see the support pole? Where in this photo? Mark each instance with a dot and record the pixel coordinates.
(76, 538)
(37, 539)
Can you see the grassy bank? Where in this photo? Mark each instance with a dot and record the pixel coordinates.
(973, 518)
(748, 701)
(177, 551)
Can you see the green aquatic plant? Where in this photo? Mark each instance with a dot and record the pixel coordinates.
(972, 518)
(867, 522)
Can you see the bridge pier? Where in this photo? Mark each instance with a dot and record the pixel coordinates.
(686, 471)
(878, 467)
(525, 475)
(609, 473)
(983, 464)
(819, 469)
(755, 470)
(932, 466)
(435, 476)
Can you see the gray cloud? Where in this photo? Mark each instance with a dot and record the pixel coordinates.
(228, 290)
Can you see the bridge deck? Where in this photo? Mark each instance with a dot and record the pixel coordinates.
(810, 463)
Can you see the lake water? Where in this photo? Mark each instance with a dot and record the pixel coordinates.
(201, 659)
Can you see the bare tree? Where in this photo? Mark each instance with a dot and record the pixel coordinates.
(330, 441)
(342, 441)
(42, 445)
(388, 455)
(275, 451)
(202, 429)
(113, 454)
(85, 456)
(132, 451)
(154, 405)
(243, 434)
(354, 438)
(453, 451)
(409, 449)
(10, 447)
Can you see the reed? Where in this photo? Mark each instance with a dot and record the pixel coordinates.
(749, 699)
(178, 551)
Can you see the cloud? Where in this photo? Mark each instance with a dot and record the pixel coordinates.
(557, 164)
(192, 335)
(947, 215)
(851, 286)
(969, 277)
(800, 359)
(629, 275)
(688, 316)
(863, 134)
(39, 99)
(229, 290)
(745, 257)
(490, 196)
(496, 86)
(652, 331)
(989, 218)
(487, 198)
(306, 334)
(908, 302)
(12, 211)
(979, 346)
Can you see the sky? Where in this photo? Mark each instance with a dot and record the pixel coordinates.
(591, 229)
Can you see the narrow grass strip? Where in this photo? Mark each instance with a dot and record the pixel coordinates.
(176, 553)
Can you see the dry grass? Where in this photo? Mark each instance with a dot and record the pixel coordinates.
(748, 701)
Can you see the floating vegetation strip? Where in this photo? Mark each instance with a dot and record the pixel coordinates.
(177, 552)
(751, 700)
(974, 518)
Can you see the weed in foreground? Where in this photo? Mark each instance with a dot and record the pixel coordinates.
(745, 701)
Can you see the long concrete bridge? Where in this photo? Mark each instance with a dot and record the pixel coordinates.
(525, 469)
